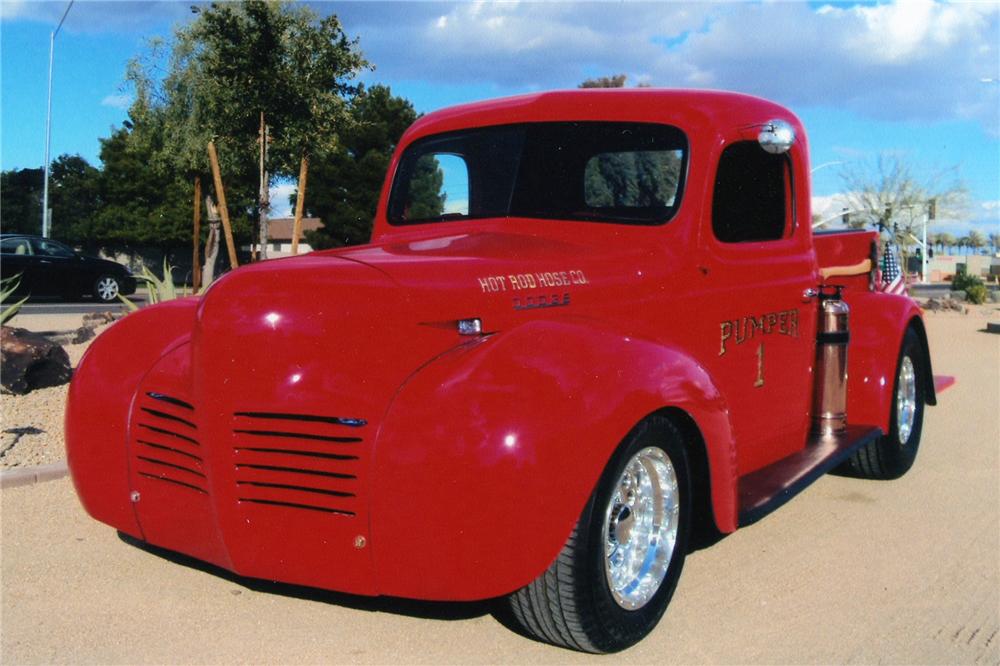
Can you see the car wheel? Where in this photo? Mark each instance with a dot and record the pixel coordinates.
(106, 288)
(892, 456)
(615, 575)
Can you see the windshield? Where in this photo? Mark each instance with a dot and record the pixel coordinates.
(600, 171)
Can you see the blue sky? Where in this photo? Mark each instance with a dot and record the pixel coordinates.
(919, 79)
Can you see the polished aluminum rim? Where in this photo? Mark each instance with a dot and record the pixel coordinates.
(107, 288)
(640, 528)
(906, 399)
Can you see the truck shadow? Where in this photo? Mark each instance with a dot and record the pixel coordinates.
(701, 538)
(430, 610)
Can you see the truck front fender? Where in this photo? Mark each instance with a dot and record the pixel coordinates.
(100, 401)
(488, 454)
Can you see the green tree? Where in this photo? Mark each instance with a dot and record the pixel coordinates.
(75, 197)
(346, 182)
(241, 71)
(21, 200)
(615, 81)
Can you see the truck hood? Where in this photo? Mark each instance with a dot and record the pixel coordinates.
(504, 277)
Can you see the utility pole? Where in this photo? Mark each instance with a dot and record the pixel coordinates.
(46, 218)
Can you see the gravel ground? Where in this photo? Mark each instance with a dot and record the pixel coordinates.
(33, 423)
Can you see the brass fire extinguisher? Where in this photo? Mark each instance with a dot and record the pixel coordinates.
(830, 398)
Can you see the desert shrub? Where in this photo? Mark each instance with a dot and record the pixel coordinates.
(976, 293)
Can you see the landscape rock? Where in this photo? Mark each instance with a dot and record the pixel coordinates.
(945, 305)
(30, 361)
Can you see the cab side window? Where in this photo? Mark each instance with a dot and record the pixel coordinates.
(752, 195)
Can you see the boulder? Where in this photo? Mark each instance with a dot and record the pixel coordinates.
(30, 361)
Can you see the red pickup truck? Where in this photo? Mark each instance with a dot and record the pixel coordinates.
(587, 324)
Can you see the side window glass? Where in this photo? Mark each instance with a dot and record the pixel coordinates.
(15, 246)
(751, 201)
(438, 188)
(51, 249)
(637, 179)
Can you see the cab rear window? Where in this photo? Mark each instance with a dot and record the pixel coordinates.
(608, 172)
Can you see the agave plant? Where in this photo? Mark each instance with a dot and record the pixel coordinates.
(159, 290)
(7, 287)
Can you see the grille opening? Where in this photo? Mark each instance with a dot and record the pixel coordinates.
(297, 435)
(177, 402)
(164, 463)
(164, 447)
(169, 433)
(290, 452)
(309, 418)
(296, 505)
(295, 470)
(287, 486)
(169, 417)
(156, 477)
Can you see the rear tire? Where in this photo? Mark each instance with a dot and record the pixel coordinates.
(891, 456)
(107, 288)
(615, 575)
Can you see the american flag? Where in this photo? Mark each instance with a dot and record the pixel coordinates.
(891, 279)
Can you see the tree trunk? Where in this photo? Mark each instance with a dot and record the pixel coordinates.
(264, 196)
(300, 201)
(212, 242)
(195, 259)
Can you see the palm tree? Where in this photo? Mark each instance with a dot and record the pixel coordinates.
(976, 240)
(947, 241)
(995, 241)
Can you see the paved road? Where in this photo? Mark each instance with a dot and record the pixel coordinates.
(78, 307)
(851, 571)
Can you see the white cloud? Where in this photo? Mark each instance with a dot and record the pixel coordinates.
(913, 59)
(117, 101)
(280, 205)
(98, 16)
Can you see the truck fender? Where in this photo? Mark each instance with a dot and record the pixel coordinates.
(488, 454)
(878, 323)
(100, 400)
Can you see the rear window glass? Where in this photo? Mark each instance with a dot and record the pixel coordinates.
(612, 172)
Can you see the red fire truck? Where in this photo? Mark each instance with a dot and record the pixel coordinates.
(587, 324)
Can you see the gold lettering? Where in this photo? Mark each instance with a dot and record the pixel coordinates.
(727, 331)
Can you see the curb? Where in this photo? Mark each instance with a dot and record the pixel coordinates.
(12, 478)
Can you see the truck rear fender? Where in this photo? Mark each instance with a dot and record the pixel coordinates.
(878, 323)
(488, 454)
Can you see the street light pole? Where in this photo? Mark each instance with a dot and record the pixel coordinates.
(48, 126)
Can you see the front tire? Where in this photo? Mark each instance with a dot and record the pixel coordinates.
(892, 456)
(107, 288)
(615, 575)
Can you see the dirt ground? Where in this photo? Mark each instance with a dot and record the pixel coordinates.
(850, 571)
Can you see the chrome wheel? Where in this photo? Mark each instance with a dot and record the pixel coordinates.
(106, 288)
(640, 528)
(906, 399)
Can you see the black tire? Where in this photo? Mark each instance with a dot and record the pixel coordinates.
(891, 456)
(106, 288)
(572, 604)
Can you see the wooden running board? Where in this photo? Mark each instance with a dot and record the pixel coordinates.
(765, 490)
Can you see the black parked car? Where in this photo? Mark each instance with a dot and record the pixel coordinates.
(49, 268)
